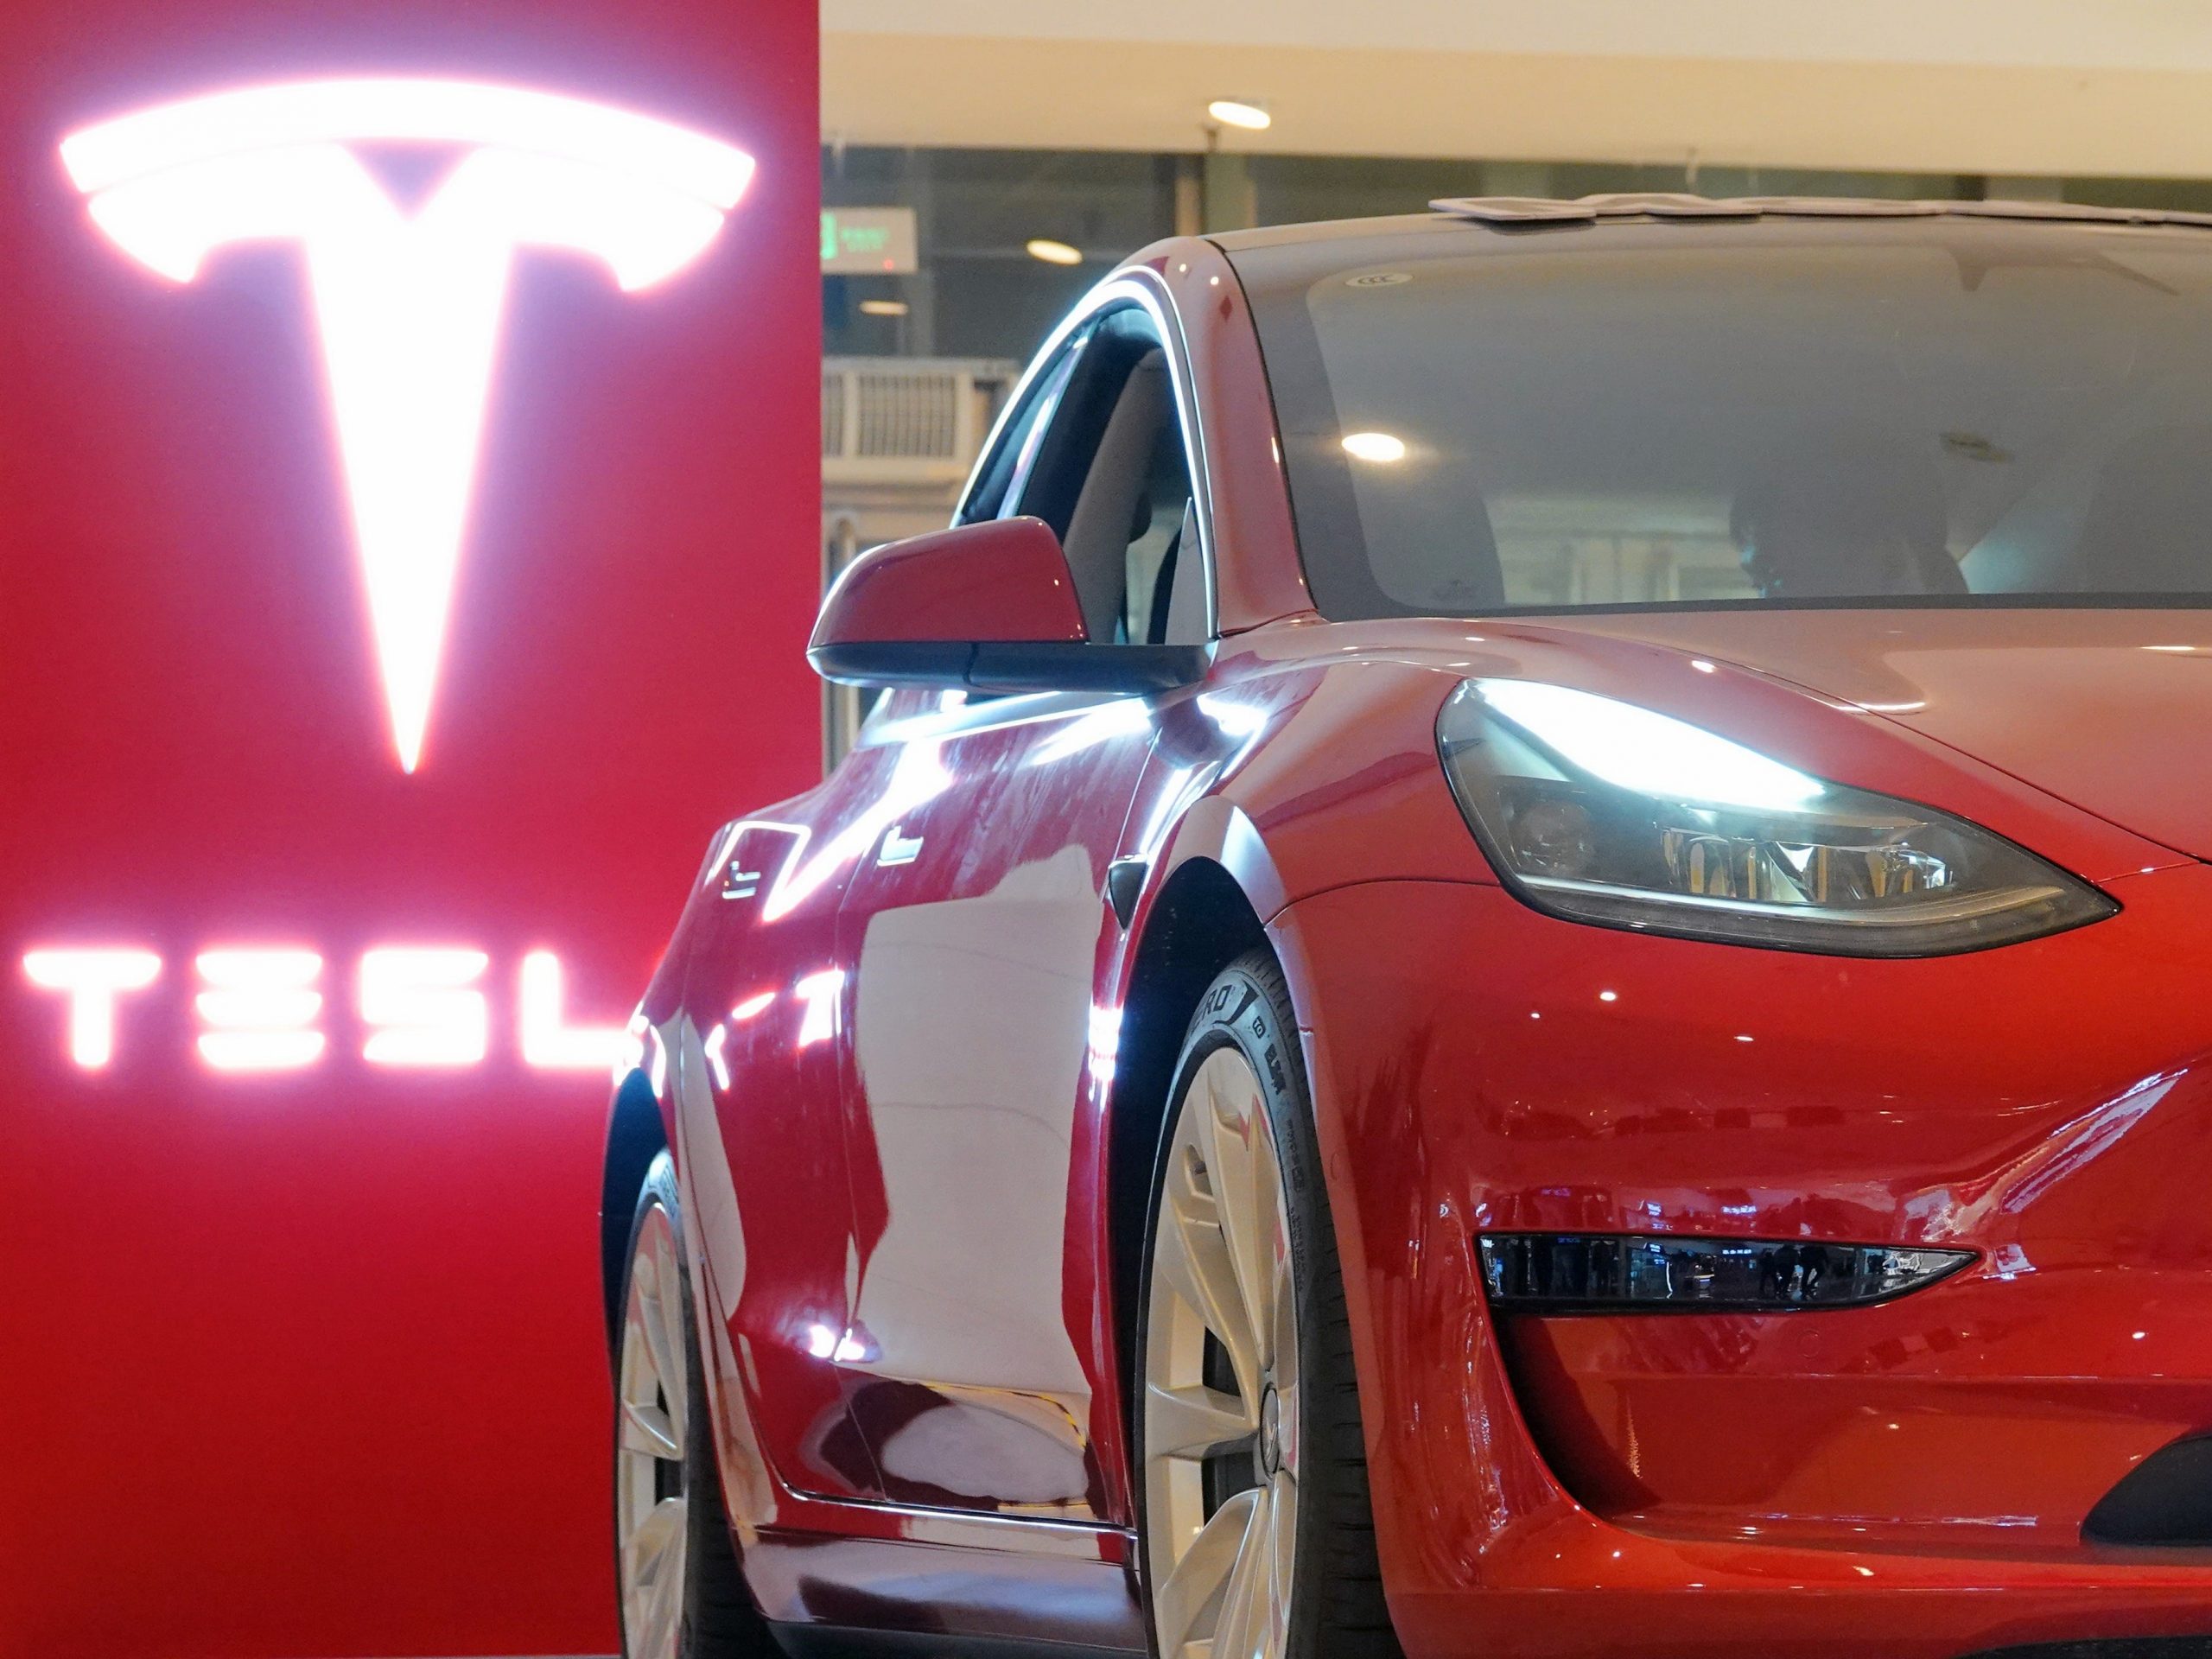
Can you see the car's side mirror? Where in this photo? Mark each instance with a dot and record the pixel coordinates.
(988, 607)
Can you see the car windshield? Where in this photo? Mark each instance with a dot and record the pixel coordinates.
(1920, 412)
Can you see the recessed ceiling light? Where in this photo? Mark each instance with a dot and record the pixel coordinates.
(1052, 252)
(884, 308)
(1374, 446)
(1241, 112)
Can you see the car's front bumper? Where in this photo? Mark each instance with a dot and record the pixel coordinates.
(1905, 1479)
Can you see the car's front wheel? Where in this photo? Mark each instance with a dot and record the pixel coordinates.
(682, 1594)
(1258, 1534)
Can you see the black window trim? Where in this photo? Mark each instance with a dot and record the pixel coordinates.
(1135, 287)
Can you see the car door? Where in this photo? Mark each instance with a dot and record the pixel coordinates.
(975, 932)
(761, 1146)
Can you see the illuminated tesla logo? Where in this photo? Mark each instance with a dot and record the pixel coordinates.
(408, 303)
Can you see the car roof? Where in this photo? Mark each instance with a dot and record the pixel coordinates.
(1519, 215)
(1284, 259)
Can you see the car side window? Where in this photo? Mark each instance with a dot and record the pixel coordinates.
(997, 489)
(1164, 582)
(1110, 475)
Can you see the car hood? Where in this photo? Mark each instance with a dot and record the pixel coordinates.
(2110, 710)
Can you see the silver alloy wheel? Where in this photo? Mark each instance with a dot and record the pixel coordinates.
(1220, 1440)
(652, 1393)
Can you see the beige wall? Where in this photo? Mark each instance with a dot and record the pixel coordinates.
(2020, 86)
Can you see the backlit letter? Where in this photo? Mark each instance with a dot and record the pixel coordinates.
(92, 980)
(546, 1040)
(421, 1002)
(260, 1009)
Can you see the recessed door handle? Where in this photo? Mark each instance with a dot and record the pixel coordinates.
(899, 848)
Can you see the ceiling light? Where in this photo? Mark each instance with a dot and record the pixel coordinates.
(1052, 252)
(1241, 112)
(883, 308)
(1374, 446)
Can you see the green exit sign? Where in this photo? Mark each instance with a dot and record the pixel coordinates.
(878, 240)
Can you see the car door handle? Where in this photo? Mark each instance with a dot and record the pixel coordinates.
(898, 848)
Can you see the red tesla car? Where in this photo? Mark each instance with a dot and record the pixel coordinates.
(1520, 962)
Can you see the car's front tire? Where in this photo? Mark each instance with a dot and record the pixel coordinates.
(682, 1594)
(1257, 1532)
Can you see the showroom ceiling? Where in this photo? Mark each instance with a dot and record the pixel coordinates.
(2028, 88)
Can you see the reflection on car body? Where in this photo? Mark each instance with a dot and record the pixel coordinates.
(1513, 965)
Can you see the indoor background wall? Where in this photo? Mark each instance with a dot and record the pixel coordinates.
(1034, 145)
(1986, 87)
(311, 1363)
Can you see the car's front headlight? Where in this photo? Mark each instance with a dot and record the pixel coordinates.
(1602, 811)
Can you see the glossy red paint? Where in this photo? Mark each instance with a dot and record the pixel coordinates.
(1243, 455)
(1952, 1441)
(1907, 1479)
(1004, 580)
(2101, 710)
(308, 1364)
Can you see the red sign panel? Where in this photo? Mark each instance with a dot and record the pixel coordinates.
(408, 530)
